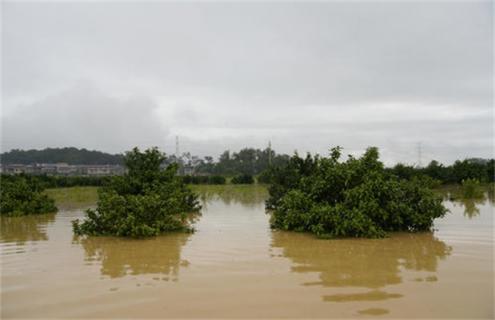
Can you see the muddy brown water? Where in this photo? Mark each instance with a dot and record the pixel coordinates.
(235, 266)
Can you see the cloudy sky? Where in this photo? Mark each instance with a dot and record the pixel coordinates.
(223, 75)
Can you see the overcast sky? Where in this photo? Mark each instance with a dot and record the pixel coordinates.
(307, 76)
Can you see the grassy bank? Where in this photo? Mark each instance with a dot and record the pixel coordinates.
(73, 197)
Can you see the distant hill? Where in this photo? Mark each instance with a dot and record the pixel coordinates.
(55, 155)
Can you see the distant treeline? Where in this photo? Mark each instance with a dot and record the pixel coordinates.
(50, 181)
(45, 181)
(257, 162)
(56, 155)
(247, 161)
(238, 165)
(477, 169)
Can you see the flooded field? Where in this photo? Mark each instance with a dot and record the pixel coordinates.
(235, 266)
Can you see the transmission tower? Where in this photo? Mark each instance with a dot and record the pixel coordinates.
(177, 147)
(269, 152)
(419, 155)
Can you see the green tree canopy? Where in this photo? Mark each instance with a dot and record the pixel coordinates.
(146, 201)
(22, 195)
(354, 198)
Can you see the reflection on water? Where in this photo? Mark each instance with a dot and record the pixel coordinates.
(235, 266)
(374, 311)
(119, 257)
(491, 193)
(246, 195)
(364, 263)
(374, 295)
(471, 206)
(25, 228)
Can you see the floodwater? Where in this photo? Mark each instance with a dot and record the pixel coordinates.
(235, 266)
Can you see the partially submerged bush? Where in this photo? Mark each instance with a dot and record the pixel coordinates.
(243, 179)
(471, 189)
(355, 198)
(22, 195)
(146, 201)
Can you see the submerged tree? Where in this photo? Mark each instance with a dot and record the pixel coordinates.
(355, 198)
(23, 195)
(146, 201)
(471, 189)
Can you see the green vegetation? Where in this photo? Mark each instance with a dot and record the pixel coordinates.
(203, 179)
(73, 197)
(355, 198)
(265, 177)
(247, 161)
(70, 181)
(243, 179)
(471, 189)
(479, 169)
(54, 155)
(48, 182)
(146, 201)
(22, 195)
(258, 162)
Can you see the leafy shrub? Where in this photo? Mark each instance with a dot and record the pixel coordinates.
(146, 201)
(243, 179)
(187, 179)
(216, 180)
(71, 181)
(265, 177)
(355, 198)
(22, 195)
(471, 189)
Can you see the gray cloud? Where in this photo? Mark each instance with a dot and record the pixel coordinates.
(83, 116)
(226, 75)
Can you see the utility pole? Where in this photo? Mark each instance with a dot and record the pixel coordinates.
(269, 153)
(177, 147)
(419, 155)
